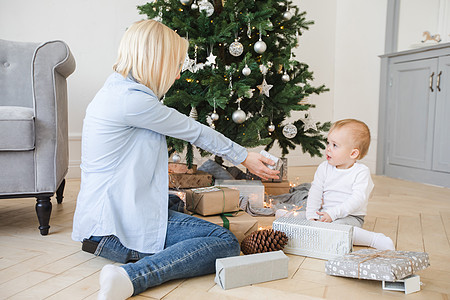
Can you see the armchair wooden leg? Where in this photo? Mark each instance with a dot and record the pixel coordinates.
(43, 211)
(60, 191)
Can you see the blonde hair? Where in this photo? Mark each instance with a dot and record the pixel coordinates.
(360, 134)
(153, 53)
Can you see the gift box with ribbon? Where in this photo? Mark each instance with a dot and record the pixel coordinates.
(315, 239)
(240, 224)
(253, 189)
(377, 264)
(212, 200)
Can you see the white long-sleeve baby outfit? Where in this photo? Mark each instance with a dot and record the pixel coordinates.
(339, 192)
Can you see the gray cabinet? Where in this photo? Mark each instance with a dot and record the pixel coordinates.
(414, 119)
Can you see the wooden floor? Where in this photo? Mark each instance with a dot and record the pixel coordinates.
(415, 216)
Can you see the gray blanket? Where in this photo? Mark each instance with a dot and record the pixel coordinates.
(295, 200)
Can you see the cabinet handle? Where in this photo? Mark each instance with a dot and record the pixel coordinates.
(438, 81)
(431, 82)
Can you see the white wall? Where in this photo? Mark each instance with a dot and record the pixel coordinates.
(341, 48)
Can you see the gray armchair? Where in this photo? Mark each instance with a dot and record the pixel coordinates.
(34, 150)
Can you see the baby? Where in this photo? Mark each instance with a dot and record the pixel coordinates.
(341, 188)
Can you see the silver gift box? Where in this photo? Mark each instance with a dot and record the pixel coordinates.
(378, 265)
(315, 239)
(236, 271)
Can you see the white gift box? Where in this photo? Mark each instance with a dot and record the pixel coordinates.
(408, 285)
(236, 271)
(315, 239)
(253, 189)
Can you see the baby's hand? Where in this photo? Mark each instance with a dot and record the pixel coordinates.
(325, 217)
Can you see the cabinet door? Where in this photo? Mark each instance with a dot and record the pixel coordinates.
(441, 154)
(411, 121)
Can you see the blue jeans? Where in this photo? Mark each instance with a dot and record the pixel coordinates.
(191, 249)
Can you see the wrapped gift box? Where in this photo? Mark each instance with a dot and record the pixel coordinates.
(240, 224)
(276, 188)
(315, 239)
(212, 200)
(186, 181)
(377, 264)
(236, 271)
(253, 189)
(180, 168)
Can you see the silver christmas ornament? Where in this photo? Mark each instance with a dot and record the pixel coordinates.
(176, 158)
(260, 47)
(185, 2)
(287, 15)
(207, 7)
(236, 48)
(289, 131)
(246, 70)
(194, 6)
(239, 116)
(271, 128)
(214, 116)
(285, 77)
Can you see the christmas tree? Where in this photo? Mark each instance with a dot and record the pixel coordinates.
(240, 76)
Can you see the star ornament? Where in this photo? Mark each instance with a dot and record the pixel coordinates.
(211, 59)
(264, 88)
(309, 123)
(188, 64)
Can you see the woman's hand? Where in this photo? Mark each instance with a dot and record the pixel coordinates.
(255, 163)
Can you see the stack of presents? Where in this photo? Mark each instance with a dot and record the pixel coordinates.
(218, 201)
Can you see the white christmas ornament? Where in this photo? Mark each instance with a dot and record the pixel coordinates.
(176, 158)
(193, 114)
(239, 116)
(289, 131)
(264, 88)
(188, 64)
(214, 116)
(309, 123)
(236, 48)
(207, 7)
(185, 2)
(194, 6)
(271, 128)
(211, 59)
(260, 47)
(287, 15)
(285, 77)
(246, 70)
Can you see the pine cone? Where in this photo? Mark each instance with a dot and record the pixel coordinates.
(264, 241)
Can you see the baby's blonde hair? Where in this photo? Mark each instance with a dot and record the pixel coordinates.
(360, 134)
(153, 53)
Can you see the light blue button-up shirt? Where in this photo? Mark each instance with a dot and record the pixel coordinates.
(124, 163)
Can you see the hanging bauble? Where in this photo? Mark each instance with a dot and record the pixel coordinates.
(285, 77)
(176, 158)
(236, 48)
(193, 114)
(239, 116)
(287, 15)
(271, 128)
(260, 47)
(185, 2)
(215, 116)
(194, 6)
(207, 7)
(289, 131)
(246, 70)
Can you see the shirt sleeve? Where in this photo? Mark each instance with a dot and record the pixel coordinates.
(361, 188)
(315, 195)
(145, 111)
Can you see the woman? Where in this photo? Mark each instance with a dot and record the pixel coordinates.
(121, 211)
